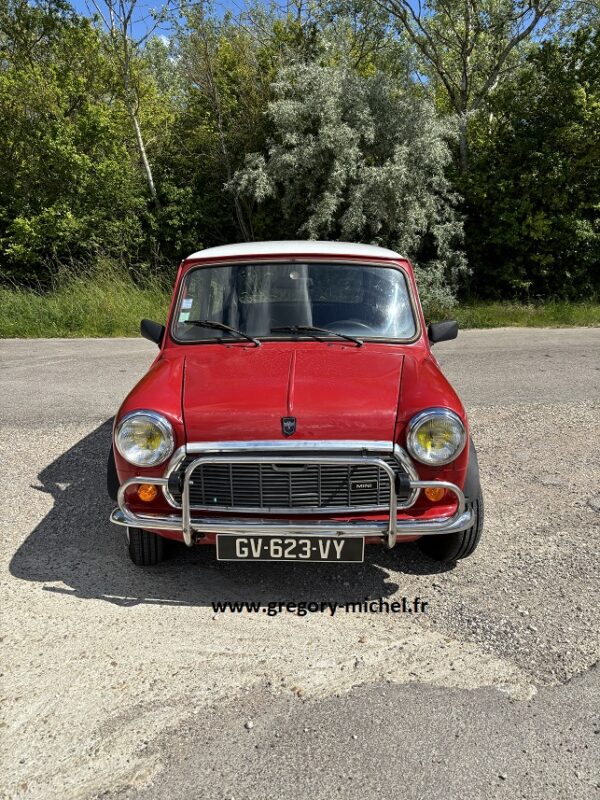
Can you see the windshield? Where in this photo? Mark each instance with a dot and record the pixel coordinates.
(353, 299)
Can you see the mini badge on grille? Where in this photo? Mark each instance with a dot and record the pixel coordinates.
(358, 485)
(288, 425)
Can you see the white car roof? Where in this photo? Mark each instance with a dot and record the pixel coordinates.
(300, 247)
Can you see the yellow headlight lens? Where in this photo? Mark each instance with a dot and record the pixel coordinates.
(145, 438)
(436, 436)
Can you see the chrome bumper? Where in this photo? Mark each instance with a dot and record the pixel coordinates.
(387, 530)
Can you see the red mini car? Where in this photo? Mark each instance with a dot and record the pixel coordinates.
(294, 413)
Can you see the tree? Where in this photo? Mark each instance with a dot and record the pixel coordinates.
(469, 46)
(226, 67)
(204, 59)
(120, 19)
(69, 192)
(351, 158)
(533, 194)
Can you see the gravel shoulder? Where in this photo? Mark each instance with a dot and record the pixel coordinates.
(116, 680)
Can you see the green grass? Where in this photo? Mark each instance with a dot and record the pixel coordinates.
(111, 304)
(553, 314)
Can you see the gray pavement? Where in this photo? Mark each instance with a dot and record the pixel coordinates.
(124, 683)
(385, 741)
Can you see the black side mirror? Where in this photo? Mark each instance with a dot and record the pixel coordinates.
(153, 331)
(442, 331)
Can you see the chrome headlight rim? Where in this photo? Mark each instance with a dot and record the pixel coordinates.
(163, 425)
(425, 416)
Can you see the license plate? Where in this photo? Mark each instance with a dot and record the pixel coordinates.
(288, 548)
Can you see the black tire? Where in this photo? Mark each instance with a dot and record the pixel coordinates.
(454, 546)
(145, 549)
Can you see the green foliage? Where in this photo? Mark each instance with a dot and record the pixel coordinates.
(69, 189)
(331, 122)
(534, 190)
(226, 77)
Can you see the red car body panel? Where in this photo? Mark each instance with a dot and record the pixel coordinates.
(335, 390)
(235, 391)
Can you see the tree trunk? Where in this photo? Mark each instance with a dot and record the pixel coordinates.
(462, 142)
(142, 151)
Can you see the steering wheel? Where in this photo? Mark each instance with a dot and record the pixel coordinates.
(341, 323)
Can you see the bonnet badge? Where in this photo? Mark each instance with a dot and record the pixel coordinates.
(288, 425)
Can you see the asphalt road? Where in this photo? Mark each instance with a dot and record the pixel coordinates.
(123, 683)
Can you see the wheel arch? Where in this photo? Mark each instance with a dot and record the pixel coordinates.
(472, 487)
(112, 479)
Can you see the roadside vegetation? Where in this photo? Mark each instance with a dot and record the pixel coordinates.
(108, 304)
(112, 303)
(130, 139)
(551, 314)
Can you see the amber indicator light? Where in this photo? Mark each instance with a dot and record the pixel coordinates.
(434, 494)
(147, 492)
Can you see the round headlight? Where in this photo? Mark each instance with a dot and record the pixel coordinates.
(436, 436)
(145, 438)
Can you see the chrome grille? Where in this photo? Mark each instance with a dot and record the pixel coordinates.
(278, 486)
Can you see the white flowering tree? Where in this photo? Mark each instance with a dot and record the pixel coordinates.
(352, 158)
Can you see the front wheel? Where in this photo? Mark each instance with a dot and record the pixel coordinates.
(145, 549)
(453, 546)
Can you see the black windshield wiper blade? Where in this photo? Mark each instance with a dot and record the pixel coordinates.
(311, 329)
(220, 326)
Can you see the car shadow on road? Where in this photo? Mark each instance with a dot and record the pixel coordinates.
(76, 551)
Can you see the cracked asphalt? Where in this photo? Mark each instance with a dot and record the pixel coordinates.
(123, 683)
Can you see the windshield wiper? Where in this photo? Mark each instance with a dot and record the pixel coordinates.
(311, 329)
(220, 326)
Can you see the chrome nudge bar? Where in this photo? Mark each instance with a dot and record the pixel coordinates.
(281, 450)
(387, 530)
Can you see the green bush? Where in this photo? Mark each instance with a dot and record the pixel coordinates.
(533, 213)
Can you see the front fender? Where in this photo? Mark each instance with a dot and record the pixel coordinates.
(472, 487)
(112, 479)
